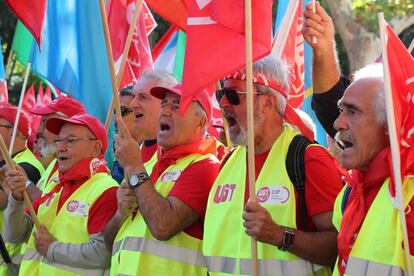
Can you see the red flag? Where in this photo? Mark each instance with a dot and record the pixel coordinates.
(47, 98)
(216, 41)
(139, 57)
(174, 11)
(4, 98)
(31, 14)
(29, 100)
(40, 95)
(401, 77)
(150, 23)
(288, 45)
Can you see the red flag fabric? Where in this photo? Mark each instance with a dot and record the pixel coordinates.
(4, 95)
(47, 98)
(150, 22)
(289, 46)
(216, 41)
(174, 11)
(31, 14)
(120, 13)
(29, 100)
(401, 73)
(40, 95)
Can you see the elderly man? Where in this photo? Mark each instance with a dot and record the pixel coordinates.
(165, 236)
(366, 244)
(288, 243)
(61, 107)
(125, 98)
(24, 158)
(74, 214)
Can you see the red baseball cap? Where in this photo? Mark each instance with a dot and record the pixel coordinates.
(63, 105)
(54, 125)
(201, 97)
(9, 112)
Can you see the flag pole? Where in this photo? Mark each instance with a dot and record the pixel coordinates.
(138, 5)
(250, 122)
(110, 59)
(395, 151)
(411, 47)
(12, 166)
(19, 108)
(225, 124)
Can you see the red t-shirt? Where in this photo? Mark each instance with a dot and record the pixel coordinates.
(370, 194)
(99, 213)
(149, 148)
(321, 189)
(193, 188)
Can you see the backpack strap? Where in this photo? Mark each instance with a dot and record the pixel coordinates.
(295, 166)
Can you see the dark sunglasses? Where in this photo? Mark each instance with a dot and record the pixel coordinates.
(231, 94)
(125, 111)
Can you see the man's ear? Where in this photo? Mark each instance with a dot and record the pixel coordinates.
(97, 148)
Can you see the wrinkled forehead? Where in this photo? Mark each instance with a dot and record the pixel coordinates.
(75, 130)
(362, 92)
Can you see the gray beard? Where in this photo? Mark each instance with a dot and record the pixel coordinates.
(48, 150)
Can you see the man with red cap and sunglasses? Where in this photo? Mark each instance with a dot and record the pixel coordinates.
(288, 244)
(74, 213)
(24, 157)
(165, 236)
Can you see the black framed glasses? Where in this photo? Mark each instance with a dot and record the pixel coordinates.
(71, 141)
(6, 126)
(125, 111)
(231, 94)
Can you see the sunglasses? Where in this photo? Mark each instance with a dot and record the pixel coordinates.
(125, 111)
(231, 95)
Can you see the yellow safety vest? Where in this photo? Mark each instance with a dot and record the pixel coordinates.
(43, 184)
(378, 249)
(137, 252)
(69, 225)
(226, 246)
(14, 250)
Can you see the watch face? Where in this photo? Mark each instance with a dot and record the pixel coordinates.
(133, 180)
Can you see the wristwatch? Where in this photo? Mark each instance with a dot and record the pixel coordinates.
(288, 238)
(136, 180)
(28, 183)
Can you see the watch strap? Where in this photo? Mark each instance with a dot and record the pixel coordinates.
(288, 239)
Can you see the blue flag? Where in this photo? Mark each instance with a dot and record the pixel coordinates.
(73, 53)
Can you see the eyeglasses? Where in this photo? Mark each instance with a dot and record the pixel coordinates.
(125, 111)
(231, 94)
(71, 141)
(5, 126)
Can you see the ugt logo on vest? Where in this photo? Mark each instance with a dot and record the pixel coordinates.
(72, 206)
(224, 193)
(273, 195)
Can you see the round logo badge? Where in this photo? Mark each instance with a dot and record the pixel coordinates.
(263, 194)
(72, 206)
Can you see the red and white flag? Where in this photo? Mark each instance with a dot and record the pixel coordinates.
(29, 100)
(4, 95)
(288, 45)
(216, 41)
(120, 13)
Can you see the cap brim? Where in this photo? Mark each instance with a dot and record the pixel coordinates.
(54, 125)
(159, 92)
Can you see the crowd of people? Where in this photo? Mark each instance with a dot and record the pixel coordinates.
(174, 204)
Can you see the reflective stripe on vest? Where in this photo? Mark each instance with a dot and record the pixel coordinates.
(33, 255)
(357, 266)
(266, 267)
(228, 250)
(164, 250)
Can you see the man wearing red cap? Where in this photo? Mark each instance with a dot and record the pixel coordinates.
(288, 244)
(74, 213)
(165, 236)
(61, 107)
(24, 158)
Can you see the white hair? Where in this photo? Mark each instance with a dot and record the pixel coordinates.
(307, 120)
(199, 111)
(375, 72)
(163, 78)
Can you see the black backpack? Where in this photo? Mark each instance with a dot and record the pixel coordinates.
(295, 167)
